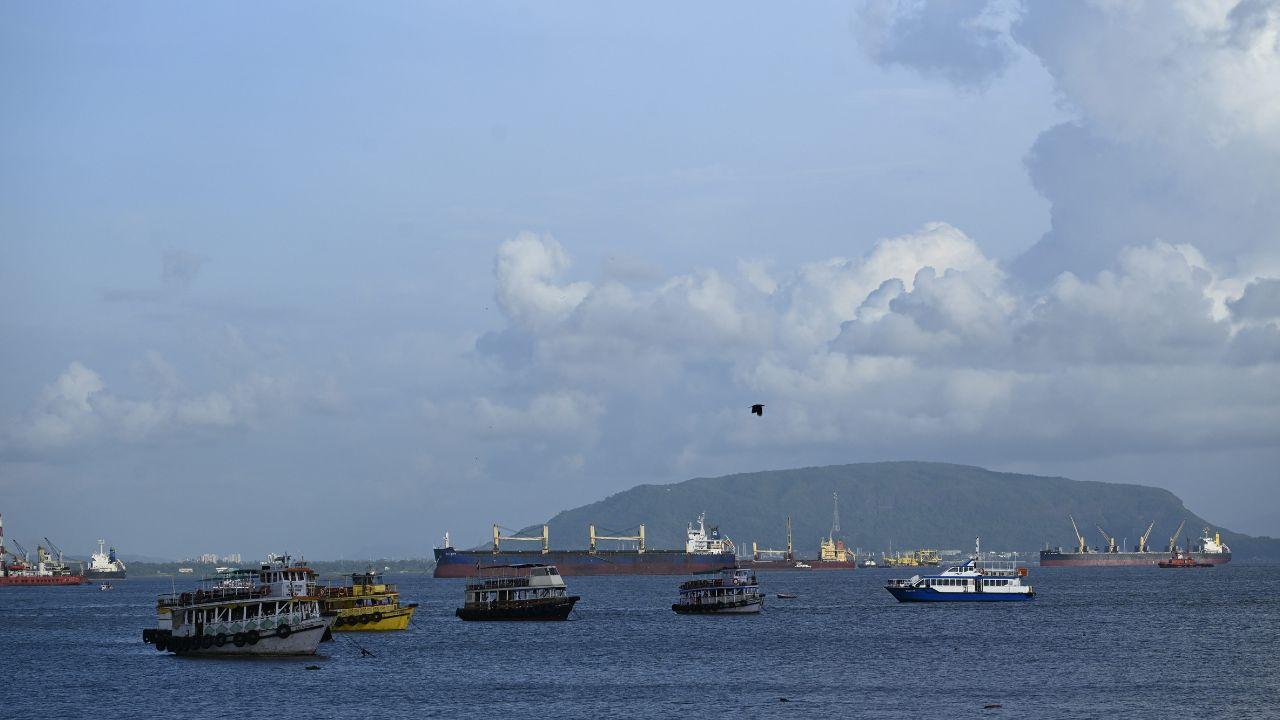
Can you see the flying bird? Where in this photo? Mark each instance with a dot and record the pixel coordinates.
(758, 409)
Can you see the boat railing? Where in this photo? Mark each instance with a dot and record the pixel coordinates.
(903, 582)
(499, 583)
(212, 595)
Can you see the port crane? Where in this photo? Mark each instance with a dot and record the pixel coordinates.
(1173, 539)
(1111, 542)
(1142, 541)
(1081, 545)
(788, 554)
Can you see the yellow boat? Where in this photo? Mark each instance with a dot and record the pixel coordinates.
(367, 604)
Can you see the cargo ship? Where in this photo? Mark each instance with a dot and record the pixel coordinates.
(1211, 550)
(16, 569)
(704, 550)
(104, 565)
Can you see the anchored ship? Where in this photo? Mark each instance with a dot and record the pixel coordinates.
(705, 549)
(1211, 550)
(271, 611)
(367, 603)
(832, 553)
(105, 565)
(17, 569)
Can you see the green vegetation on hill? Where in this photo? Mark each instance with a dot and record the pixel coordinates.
(903, 504)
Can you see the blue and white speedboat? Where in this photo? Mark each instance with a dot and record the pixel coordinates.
(977, 580)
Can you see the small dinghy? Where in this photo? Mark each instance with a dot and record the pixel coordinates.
(787, 596)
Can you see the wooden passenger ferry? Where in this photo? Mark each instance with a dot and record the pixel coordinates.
(732, 591)
(527, 591)
(274, 610)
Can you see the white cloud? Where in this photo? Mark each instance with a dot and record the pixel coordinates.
(922, 345)
(79, 410)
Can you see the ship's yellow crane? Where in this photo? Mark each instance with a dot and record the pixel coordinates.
(1111, 542)
(1173, 539)
(1142, 541)
(498, 537)
(593, 537)
(1081, 545)
(788, 554)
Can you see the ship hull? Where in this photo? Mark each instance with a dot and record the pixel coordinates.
(904, 594)
(746, 607)
(1051, 558)
(452, 563)
(104, 574)
(302, 641)
(373, 620)
(527, 610)
(33, 580)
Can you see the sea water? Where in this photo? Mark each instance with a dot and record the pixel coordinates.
(1096, 642)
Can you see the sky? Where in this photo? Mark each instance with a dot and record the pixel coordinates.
(334, 278)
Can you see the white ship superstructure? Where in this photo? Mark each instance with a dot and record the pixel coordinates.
(104, 564)
(705, 542)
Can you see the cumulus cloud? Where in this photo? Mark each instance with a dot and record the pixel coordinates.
(1176, 128)
(922, 344)
(78, 410)
(957, 41)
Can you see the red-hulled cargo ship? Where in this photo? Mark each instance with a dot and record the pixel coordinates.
(704, 551)
(48, 570)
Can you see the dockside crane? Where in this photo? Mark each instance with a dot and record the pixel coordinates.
(54, 548)
(1081, 545)
(1173, 539)
(1142, 541)
(1111, 542)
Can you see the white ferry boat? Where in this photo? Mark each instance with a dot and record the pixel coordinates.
(528, 591)
(731, 591)
(271, 611)
(977, 580)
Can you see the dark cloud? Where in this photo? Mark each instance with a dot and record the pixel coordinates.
(1260, 301)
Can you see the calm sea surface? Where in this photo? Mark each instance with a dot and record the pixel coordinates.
(1120, 642)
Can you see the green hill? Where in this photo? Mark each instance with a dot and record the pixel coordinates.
(906, 504)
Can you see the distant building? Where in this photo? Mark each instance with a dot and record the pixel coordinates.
(209, 558)
(232, 558)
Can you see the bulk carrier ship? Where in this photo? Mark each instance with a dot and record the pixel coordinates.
(1211, 550)
(704, 550)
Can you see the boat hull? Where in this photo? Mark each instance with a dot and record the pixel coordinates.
(373, 619)
(104, 574)
(302, 641)
(748, 607)
(452, 563)
(542, 609)
(927, 594)
(34, 580)
(1053, 558)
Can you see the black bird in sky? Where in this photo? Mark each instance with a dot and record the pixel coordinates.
(758, 409)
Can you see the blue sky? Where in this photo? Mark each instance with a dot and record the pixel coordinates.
(427, 266)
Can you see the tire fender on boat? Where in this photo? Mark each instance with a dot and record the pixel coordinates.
(284, 631)
(220, 639)
(252, 637)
